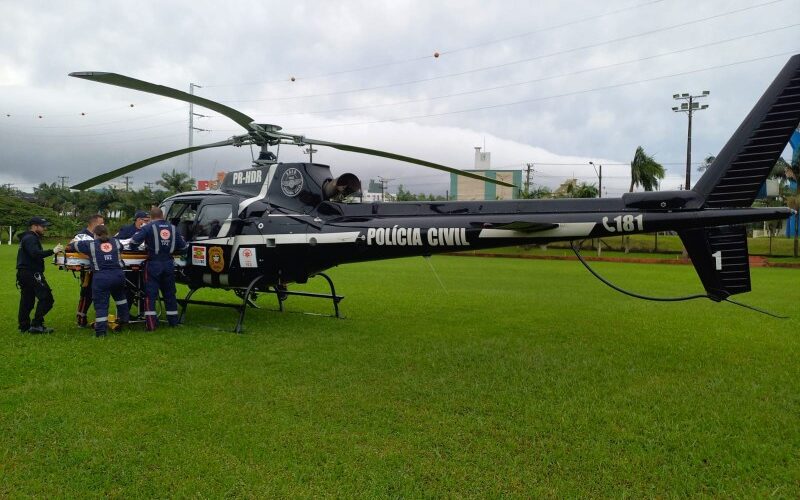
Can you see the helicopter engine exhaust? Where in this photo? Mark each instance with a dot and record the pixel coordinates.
(341, 187)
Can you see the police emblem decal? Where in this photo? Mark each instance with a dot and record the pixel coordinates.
(216, 260)
(106, 247)
(291, 182)
(164, 234)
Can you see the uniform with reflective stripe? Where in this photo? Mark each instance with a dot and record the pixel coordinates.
(108, 279)
(161, 239)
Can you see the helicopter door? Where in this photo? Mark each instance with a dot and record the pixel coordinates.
(214, 218)
(182, 214)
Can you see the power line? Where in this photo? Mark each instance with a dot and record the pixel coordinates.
(86, 125)
(555, 96)
(425, 99)
(536, 80)
(511, 63)
(443, 96)
(451, 51)
(111, 132)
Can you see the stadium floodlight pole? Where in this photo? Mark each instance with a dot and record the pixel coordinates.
(689, 107)
(598, 169)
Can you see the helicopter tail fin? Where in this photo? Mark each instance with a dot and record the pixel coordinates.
(740, 168)
(721, 259)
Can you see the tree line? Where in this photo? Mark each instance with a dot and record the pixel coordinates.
(68, 210)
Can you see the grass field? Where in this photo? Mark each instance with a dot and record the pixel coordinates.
(518, 378)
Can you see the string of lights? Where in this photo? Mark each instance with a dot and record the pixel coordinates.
(682, 24)
(537, 80)
(437, 54)
(469, 71)
(544, 98)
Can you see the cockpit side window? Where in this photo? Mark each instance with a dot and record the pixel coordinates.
(213, 221)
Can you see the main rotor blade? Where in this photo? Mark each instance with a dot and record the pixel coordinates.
(143, 163)
(407, 159)
(132, 83)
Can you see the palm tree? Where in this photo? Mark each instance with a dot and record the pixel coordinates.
(707, 161)
(792, 200)
(52, 196)
(540, 192)
(109, 202)
(176, 182)
(571, 188)
(782, 171)
(645, 171)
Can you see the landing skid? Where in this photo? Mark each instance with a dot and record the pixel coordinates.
(248, 296)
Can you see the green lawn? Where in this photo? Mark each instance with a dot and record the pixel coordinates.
(520, 378)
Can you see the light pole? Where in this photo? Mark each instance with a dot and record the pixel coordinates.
(598, 169)
(689, 107)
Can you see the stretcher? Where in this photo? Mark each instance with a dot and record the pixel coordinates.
(132, 261)
(133, 265)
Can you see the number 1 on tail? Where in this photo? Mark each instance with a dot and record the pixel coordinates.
(718, 259)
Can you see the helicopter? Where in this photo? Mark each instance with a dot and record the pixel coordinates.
(280, 223)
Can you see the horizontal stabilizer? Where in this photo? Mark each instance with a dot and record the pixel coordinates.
(721, 259)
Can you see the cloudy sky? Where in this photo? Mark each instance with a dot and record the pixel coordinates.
(556, 83)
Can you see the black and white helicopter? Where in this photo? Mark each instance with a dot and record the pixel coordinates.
(280, 223)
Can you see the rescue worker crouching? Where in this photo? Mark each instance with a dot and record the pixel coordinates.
(161, 239)
(85, 301)
(108, 277)
(34, 289)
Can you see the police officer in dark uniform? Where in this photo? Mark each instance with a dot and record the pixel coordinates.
(30, 277)
(108, 277)
(85, 301)
(161, 239)
(139, 219)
